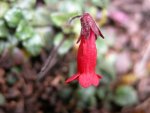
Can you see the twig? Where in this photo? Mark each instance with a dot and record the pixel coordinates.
(140, 67)
(146, 54)
(50, 62)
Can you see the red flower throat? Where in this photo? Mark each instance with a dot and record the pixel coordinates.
(87, 53)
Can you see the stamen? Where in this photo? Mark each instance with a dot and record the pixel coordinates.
(78, 16)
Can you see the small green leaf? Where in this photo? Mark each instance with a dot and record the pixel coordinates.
(125, 96)
(101, 3)
(92, 10)
(102, 47)
(12, 40)
(2, 46)
(29, 15)
(51, 1)
(3, 29)
(57, 39)
(92, 101)
(11, 79)
(70, 6)
(40, 17)
(2, 99)
(34, 45)
(107, 68)
(24, 30)
(60, 19)
(87, 97)
(5, 45)
(4, 6)
(25, 4)
(101, 92)
(46, 33)
(13, 17)
(86, 92)
(16, 69)
(72, 67)
(65, 46)
(76, 27)
(110, 37)
(65, 93)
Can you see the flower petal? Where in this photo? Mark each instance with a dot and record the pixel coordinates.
(85, 80)
(95, 79)
(73, 77)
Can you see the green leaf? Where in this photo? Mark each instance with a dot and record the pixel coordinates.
(72, 68)
(105, 66)
(2, 46)
(13, 17)
(57, 39)
(125, 96)
(41, 17)
(29, 15)
(60, 19)
(76, 27)
(12, 40)
(92, 10)
(25, 4)
(3, 8)
(34, 45)
(46, 33)
(65, 46)
(2, 99)
(5, 45)
(12, 1)
(16, 69)
(24, 30)
(92, 101)
(11, 79)
(86, 93)
(101, 92)
(65, 93)
(51, 1)
(101, 45)
(101, 3)
(70, 6)
(87, 97)
(3, 29)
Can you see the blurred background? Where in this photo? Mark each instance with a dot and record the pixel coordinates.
(33, 30)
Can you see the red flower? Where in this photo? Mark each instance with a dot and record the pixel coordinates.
(87, 53)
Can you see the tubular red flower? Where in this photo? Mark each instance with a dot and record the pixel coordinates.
(87, 53)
